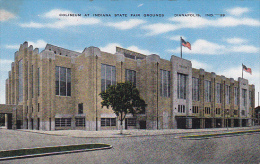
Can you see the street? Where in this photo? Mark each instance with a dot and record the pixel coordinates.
(143, 149)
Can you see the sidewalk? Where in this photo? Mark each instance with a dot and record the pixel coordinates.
(134, 133)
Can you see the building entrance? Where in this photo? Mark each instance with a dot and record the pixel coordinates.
(181, 122)
(195, 123)
(208, 123)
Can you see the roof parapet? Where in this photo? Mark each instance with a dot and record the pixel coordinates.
(153, 58)
(202, 71)
(92, 51)
(36, 51)
(120, 57)
(47, 54)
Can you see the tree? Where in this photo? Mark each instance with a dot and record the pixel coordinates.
(123, 98)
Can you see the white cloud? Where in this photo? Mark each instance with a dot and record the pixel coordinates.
(37, 44)
(197, 64)
(63, 21)
(125, 25)
(159, 28)
(236, 40)
(232, 22)
(237, 11)
(197, 22)
(140, 5)
(204, 47)
(142, 51)
(12, 46)
(5, 66)
(245, 49)
(5, 61)
(177, 38)
(111, 48)
(5, 15)
(32, 25)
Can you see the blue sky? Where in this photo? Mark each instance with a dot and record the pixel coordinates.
(219, 43)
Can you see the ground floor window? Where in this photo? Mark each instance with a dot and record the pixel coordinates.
(108, 121)
(80, 121)
(131, 121)
(62, 122)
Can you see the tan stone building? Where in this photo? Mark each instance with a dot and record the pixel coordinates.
(59, 89)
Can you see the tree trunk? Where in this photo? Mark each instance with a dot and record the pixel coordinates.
(121, 127)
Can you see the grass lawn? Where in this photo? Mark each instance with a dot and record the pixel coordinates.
(49, 150)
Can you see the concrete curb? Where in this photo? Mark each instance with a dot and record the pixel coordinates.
(218, 134)
(113, 134)
(53, 153)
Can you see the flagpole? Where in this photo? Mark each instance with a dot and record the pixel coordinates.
(181, 46)
(242, 70)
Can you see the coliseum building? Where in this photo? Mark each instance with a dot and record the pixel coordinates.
(59, 89)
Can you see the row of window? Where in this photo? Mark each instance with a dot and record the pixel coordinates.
(112, 121)
(208, 94)
(195, 109)
(38, 108)
(108, 77)
(66, 122)
(20, 80)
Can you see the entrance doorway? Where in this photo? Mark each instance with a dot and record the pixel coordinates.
(195, 123)
(142, 124)
(38, 124)
(9, 121)
(208, 123)
(181, 123)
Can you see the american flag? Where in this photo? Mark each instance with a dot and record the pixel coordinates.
(185, 44)
(247, 69)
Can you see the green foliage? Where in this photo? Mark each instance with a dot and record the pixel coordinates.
(51, 149)
(123, 98)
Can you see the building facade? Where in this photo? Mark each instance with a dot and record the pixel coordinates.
(59, 89)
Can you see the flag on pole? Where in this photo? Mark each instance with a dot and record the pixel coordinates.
(185, 44)
(247, 69)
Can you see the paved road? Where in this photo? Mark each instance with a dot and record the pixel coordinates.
(144, 149)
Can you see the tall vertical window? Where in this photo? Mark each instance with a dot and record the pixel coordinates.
(20, 80)
(63, 81)
(244, 97)
(218, 89)
(207, 91)
(181, 90)
(227, 94)
(250, 98)
(236, 95)
(130, 75)
(80, 108)
(38, 88)
(195, 89)
(165, 83)
(108, 76)
(32, 80)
